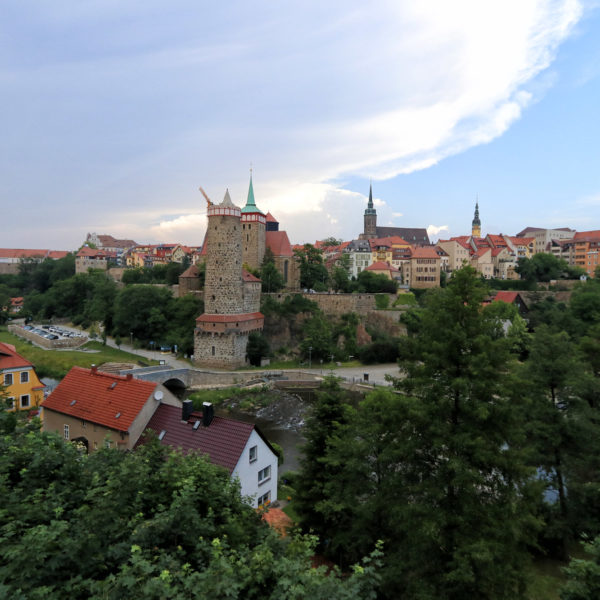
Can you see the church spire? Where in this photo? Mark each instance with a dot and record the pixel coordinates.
(476, 223)
(251, 203)
(370, 210)
(370, 218)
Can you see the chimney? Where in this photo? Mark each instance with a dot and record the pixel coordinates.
(187, 410)
(208, 412)
(94, 369)
(128, 376)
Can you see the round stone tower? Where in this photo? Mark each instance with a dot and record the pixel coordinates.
(223, 284)
(253, 232)
(230, 315)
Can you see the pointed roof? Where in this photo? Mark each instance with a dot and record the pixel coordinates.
(250, 203)
(271, 218)
(191, 271)
(476, 220)
(279, 243)
(370, 210)
(10, 359)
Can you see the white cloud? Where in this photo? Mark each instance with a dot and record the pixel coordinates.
(397, 215)
(135, 119)
(434, 230)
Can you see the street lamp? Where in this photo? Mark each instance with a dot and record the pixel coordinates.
(309, 356)
(131, 338)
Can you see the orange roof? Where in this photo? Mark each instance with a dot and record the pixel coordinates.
(481, 252)
(463, 240)
(506, 296)
(279, 243)
(381, 266)
(110, 400)
(425, 252)
(521, 241)
(587, 236)
(10, 359)
(271, 218)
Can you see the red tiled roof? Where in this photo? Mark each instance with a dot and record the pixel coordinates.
(56, 254)
(521, 241)
(481, 252)
(424, 252)
(223, 440)
(99, 397)
(248, 276)
(381, 266)
(279, 243)
(210, 318)
(506, 296)
(10, 359)
(271, 218)
(587, 236)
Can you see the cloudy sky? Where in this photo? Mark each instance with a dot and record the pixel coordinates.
(114, 113)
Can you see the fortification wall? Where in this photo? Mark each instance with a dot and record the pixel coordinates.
(336, 305)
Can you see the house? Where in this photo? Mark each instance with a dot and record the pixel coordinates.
(384, 268)
(90, 258)
(542, 236)
(424, 268)
(238, 447)
(512, 298)
(102, 409)
(24, 389)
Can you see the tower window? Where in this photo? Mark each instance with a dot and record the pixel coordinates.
(213, 350)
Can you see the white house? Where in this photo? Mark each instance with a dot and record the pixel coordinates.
(237, 446)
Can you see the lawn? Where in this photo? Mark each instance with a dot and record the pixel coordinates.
(56, 364)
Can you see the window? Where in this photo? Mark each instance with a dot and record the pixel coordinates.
(66, 430)
(264, 499)
(25, 401)
(264, 474)
(8, 378)
(107, 443)
(253, 453)
(24, 377)
(11, 402)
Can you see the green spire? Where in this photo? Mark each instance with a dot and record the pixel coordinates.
(250, 203)
(476, 220)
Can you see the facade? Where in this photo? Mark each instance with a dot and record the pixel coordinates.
(221, 333)
(23, 388)
(238, 447)
(360, 255)
(424, 268)
(542, 237)
(586, 247)
(88, 258)
(100, 409)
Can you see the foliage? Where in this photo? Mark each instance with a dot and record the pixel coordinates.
(150, 523)
(382, 301)
(331, 241)
(292, 305)
(584, 575)
(257, 348)
(272, 280)
(385, 349)
(546, 267)
(313, 273)
(167, 274)
(375, 283)
(437, 472)
(318, 338)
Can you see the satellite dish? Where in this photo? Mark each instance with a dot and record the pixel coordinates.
(158, 395)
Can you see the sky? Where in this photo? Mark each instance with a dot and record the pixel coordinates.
(113, 114)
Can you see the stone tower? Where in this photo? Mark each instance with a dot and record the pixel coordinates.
(370, 228)
(253, 232)
(476, 223)
(221, 333)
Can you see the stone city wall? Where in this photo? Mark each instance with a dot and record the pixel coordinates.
(337, 304)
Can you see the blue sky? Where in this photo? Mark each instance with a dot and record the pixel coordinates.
(114, 113)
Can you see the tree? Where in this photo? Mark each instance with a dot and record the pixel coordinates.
(272, 280)
(545, 267)
(313, 273)
(146, 524)
(257, 348)
(375, 283)
(317, 342)
(583, 575)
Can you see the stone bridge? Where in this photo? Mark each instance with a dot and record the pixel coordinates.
(180, 378)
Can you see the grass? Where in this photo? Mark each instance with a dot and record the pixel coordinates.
(546, 579)
(56, 364)
(247, 399)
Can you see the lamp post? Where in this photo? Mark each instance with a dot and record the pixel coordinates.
(131, 338)
(309, 356)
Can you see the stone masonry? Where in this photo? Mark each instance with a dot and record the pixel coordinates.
(221, 333)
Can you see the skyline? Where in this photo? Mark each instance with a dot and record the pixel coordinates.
(115, 115)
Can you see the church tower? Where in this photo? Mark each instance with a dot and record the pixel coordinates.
(253, 232)
(370, 218)
(476, 224)
(222, 331)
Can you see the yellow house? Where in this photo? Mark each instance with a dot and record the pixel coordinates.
(21, 383)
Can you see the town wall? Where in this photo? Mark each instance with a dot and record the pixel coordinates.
(336, 305)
